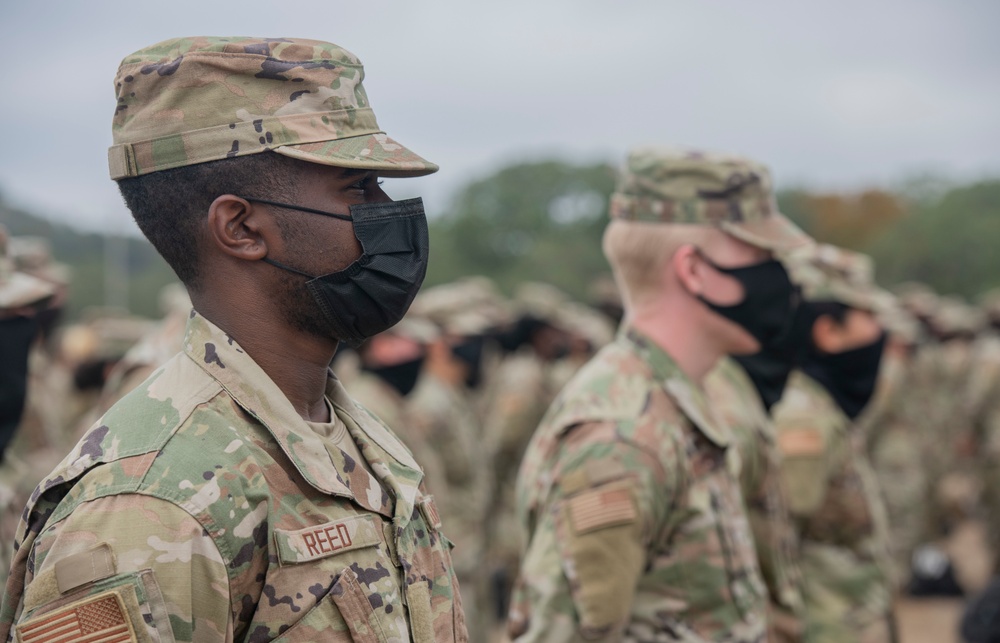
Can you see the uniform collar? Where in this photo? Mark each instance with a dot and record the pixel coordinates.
(685, 392)
(250, 387)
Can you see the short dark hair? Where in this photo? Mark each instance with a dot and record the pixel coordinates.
(169, 205)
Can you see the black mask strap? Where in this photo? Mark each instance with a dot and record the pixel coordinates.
(288, 268)
(278, 204)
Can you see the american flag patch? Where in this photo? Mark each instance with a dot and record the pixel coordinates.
(98, 619)
(601, 508)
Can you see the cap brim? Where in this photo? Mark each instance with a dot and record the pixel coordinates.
(21, 289)
(774, 232)
(376, 152)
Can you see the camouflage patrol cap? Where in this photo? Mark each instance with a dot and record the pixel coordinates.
(732, 193)
(192, 100)
(953, 317)
(920, 299)
(542, 301)
(466, 306)
(18, 289)
(989, 302)
(897, 320)
(830, 273)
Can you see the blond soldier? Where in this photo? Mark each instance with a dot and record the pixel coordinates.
(240, 493)
(637, 529)
(832, 491)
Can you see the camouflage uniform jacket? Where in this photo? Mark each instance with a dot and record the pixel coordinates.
(637, 528)
(202, 508)
(738, 407)
(838, 510)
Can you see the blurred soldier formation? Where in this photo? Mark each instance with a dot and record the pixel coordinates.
(741, 437)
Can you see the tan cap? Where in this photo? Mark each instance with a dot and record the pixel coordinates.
(191, 100)
(732, 193)
(18, 289)
(831, 273)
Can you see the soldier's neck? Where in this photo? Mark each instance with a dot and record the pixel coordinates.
(295, 361)
(682, 337)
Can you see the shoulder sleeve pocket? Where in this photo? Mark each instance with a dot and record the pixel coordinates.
(602, 551)
(123, 608)
(803, 468)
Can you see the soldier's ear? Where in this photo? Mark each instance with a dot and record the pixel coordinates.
(685, 265)
(240, 229)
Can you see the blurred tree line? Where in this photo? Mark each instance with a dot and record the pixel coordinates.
(544, 220)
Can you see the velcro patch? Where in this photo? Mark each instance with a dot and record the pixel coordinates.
(85, 567)
(800, 442)
(430, 512)
(592, 510)
(101, 618)
(330, 538)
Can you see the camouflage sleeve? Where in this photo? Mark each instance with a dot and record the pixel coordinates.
(143, 556)
(590, 539)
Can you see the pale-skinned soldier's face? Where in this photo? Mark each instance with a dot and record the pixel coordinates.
(727, 252)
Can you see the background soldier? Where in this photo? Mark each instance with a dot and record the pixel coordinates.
(739, 407)
(832, 491)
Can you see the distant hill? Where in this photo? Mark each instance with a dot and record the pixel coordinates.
(144, 272)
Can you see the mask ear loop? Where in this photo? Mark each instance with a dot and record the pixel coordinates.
(277, 204)
(288, 268)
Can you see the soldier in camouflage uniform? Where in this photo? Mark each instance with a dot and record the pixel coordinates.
(893, 441)
(740, 409)
(21, 297)
(832, 492)
(987, 425)
(520, 390)
(239, 493)
(629, 491)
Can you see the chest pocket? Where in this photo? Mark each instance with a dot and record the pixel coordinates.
(371, 599)
(708, 558)
(364, 603)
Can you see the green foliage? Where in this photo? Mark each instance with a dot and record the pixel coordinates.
(531, 221)
(926, 232)
(949, 242)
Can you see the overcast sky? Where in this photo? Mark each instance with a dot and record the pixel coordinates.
(834, 94)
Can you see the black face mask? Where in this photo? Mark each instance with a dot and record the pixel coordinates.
(16, 336)
(769, 369)
(373, 293)
(402, 377)
(850, 376)
(769, 299)
(470, 352)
